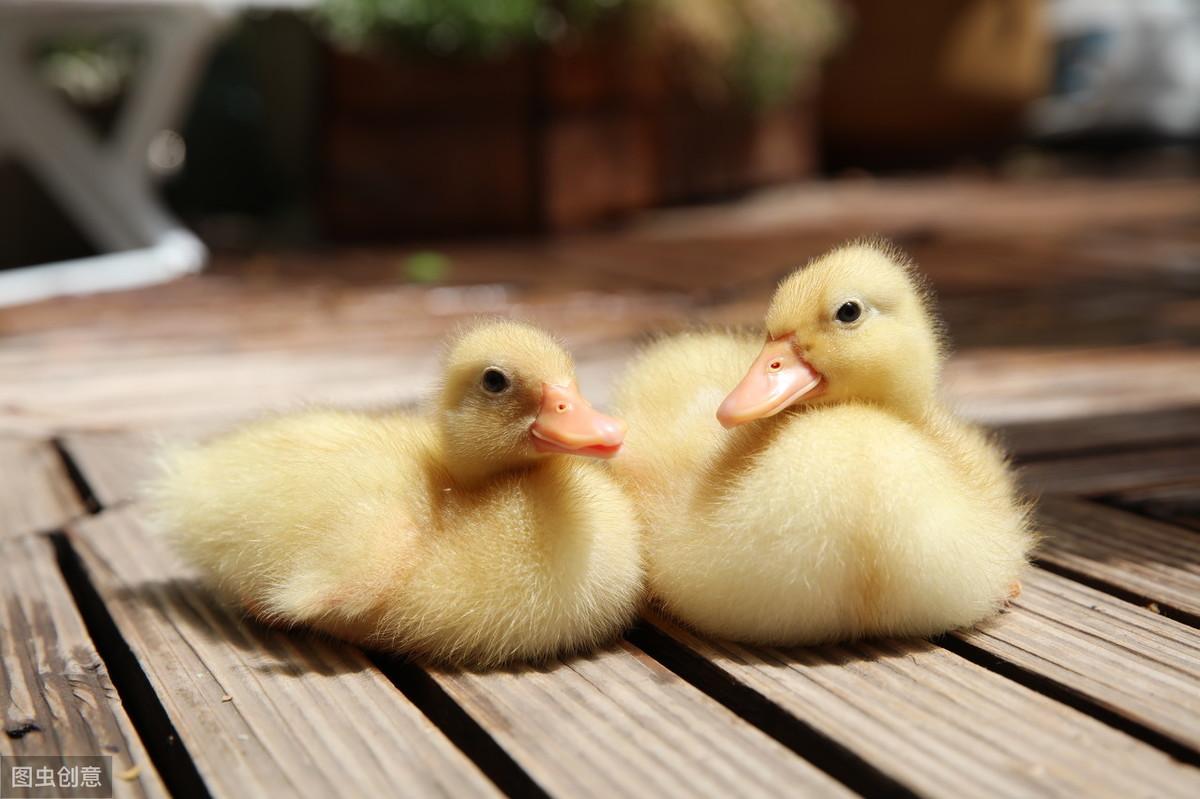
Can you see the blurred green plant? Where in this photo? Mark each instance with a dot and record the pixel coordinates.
(471, 28)
(426, 266)
(758, 50)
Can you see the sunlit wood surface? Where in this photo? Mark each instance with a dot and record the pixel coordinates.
(1074, 308)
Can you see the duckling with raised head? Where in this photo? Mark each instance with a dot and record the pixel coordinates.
(481, 533)
(832, 495)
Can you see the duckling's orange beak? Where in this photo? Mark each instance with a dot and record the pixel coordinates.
(777, 378)
(567, 424)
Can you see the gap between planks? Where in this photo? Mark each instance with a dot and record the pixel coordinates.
(1101, 435)
(1095, 475)
(258, 710)
(705, 750)
(1141, 669)
(36, 492)
(1124, 553)
(56, 695)
(939, 724)
(1099, 700)
(1178, 503)
(305, 709)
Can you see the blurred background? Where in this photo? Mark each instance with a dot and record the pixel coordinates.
(285, 200)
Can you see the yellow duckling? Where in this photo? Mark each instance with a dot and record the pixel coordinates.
(474, 535)
(832, 496)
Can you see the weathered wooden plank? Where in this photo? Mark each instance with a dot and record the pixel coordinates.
(588, 750)
(262, 712)
(1178, 503)
(1094, 475)
(1120, 656)
(1001, 385)
(1079, 313)
(943, 726)
(36, 494)
(116, 463)
(610, 740)
(172, 388)
(617, 723)
(1151, 559)
(55, 694)
(1132, 430)
(1003, 213)
(168, 363)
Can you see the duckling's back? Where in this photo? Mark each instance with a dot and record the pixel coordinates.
(248, 508)
(668, 396)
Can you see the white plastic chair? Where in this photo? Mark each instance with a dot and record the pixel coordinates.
(106, 185)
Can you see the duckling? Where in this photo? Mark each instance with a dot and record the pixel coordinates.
(832, 496)
(480, 533)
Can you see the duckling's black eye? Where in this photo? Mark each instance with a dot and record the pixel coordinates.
(494, 381)
(848, 312)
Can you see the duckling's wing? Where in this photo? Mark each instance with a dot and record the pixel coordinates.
(295, 505)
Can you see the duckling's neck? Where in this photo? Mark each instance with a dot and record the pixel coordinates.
(477, 468)
(919, 409)
(912, 402)
(913, 409)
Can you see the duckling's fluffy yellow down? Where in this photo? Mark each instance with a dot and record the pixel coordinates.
(446, 536)
(861, 507)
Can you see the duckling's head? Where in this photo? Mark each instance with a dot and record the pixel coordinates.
(851, 325)
(509, 398)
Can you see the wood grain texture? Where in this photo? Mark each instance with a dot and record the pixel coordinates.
(114, 463)
(1151, 559)
(1095, 475)
(942, 726)
(351, 326)
(1119, 655)
(56, 697)
(1035, 279)
(217, 351)
(36, 494)
(303, 716)
(1135, 430)
(686, 744)
(117, 463)
(630, 722)
(1006, 385)
(1178, 503)
(617, 723)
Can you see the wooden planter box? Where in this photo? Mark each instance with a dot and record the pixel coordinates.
(539, 141)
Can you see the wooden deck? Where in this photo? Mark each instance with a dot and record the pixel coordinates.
(1075, 307)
